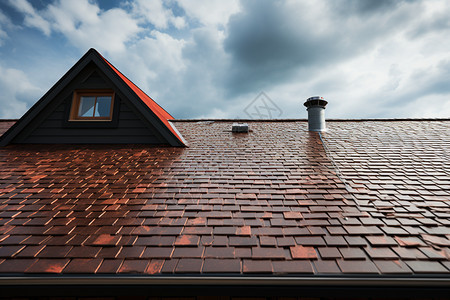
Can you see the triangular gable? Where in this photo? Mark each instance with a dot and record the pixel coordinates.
(150, 110)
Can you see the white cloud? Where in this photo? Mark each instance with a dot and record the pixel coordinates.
(68, 16)
(32, 18)
(156, 13)
(83, 23)
(86, 26)
(17, 93)
(429, 106)
(156, 58)
(4, 22)
(162, 47)
(211, 12)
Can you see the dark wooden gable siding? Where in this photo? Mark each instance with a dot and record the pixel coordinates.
(52, 126)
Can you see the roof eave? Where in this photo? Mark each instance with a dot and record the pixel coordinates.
(218, 280)
(224, 285)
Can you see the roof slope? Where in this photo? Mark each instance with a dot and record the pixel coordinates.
(374, 201)
(154, 113)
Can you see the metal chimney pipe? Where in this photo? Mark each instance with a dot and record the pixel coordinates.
(316, 113)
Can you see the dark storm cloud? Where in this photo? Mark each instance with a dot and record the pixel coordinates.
(200, 82)
(425, 83)
(269, 41)
(364, 7)
(431, 80)
(263, 34)
(439, 23)
(440, 84)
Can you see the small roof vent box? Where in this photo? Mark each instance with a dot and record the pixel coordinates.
(239, 127)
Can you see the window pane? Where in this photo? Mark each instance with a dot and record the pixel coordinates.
(86, 107)
(103, 106)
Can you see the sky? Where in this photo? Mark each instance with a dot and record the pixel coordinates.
(239, 59)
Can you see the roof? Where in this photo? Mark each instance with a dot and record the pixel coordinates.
(364, 198)
(154, 114)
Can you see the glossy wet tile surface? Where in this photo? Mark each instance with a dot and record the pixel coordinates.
(272, 201)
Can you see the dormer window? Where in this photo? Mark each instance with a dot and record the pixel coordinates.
(92, 105)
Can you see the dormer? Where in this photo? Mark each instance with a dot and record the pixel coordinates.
(94, 103)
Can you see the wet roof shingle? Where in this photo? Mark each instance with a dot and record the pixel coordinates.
(375, 200)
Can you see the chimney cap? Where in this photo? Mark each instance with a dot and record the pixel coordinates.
(315, 101)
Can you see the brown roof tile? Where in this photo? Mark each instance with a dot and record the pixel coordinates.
(357, 266)
(300, 252)
(257, 266)
(291, 267)
(133, 266)
(268, 253)
(55, 251)
(392, 267)
(189, 265)
(110, 266)
(426, 267)
(19, 265)
(48, 265)
(329, 252)
(326, 267)
(155, 266)
(83, 265)
(221, 265)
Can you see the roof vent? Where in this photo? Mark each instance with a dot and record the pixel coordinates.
(316, 113)
(239, 127)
